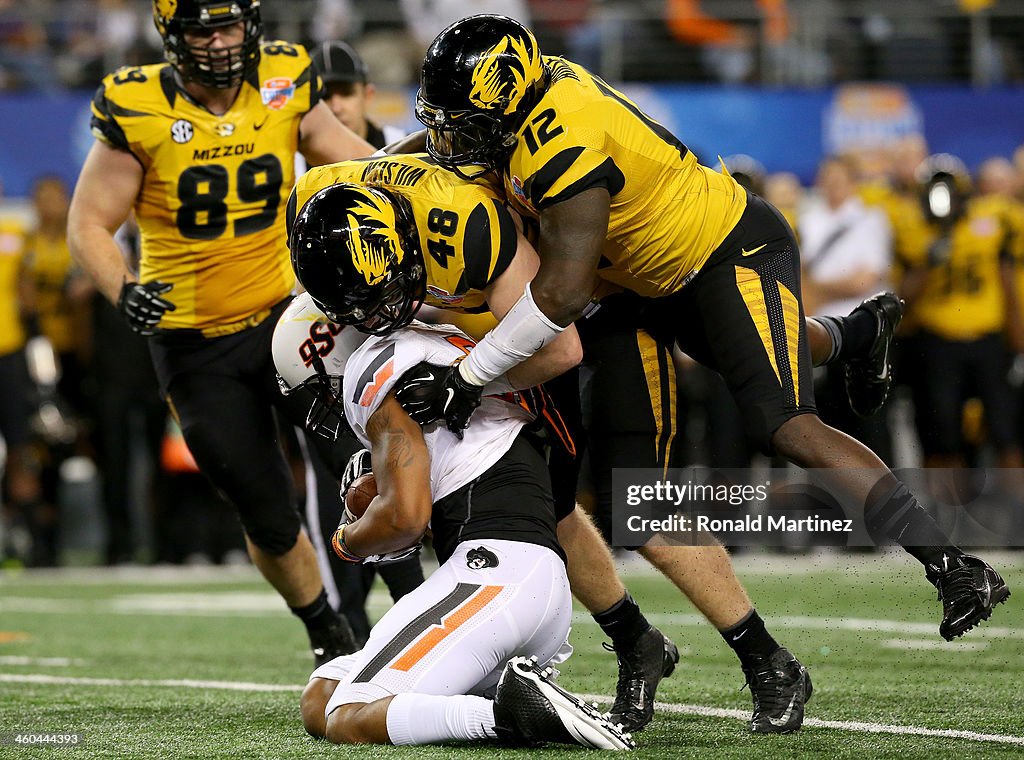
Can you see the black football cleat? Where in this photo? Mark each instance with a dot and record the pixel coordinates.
(968, 588)
(652, 657)
(869, 377)
(333, 641)
(780, 687)
(530, 709)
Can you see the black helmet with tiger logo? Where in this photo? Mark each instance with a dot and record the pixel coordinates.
(355, 250)
(481, 77)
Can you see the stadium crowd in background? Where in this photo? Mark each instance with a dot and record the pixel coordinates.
(71, 43)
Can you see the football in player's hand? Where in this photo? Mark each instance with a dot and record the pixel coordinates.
(360, 494)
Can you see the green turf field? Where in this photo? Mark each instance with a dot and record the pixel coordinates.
(140, 663)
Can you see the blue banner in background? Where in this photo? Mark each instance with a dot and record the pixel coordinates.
(787, 130)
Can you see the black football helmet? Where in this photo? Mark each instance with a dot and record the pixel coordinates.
(945, 186)
(224, 68)
(355, 250)
(481, 77)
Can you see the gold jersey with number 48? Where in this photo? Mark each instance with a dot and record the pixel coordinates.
(466, 235)
(211, 209)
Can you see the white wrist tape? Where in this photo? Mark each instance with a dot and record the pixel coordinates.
(523, 332)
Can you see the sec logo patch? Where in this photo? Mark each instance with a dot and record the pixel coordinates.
(182, 131)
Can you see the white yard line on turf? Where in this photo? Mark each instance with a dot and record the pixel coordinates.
(699, 710)
(53, 662)
(952, 646)
(841, 725)
(263, 603)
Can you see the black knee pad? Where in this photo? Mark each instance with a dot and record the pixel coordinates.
(274, 531)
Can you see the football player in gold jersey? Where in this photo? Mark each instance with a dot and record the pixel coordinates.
(202, 147)
(620, 201)
(961, 292)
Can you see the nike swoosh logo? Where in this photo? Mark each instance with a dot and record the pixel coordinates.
(779, 722)
(259, 126)
(739, 636)
(745, 252)
(451, 395)
(421, 379)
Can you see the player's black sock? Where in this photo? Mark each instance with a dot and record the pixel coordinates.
(835, 331)
(852, 335)
(318, 614)
(623, 622)
(895, 513)
(750, 640)
(402, 577)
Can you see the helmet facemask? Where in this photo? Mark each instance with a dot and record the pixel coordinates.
(219, 68)
(326, 416)
(481, 78)
(461, 139)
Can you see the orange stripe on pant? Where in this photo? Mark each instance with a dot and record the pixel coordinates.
(422, 646)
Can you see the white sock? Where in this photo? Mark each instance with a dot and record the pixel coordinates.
(430, 719)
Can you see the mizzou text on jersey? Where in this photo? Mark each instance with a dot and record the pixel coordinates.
(211, 206)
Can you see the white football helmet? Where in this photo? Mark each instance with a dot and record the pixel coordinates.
(310, 352)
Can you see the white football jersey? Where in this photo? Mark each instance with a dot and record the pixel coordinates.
(376, 366)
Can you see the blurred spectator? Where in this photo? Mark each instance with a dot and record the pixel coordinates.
(54, 306)
(426, 18)
(386, 42)
(846, 246)
(845, 254)
(909, 41)
(729, 48)
(334, 19)
(960, 292)
(1018, 163)
(784, 191)
(746, 170)
(57, 291)
(25, 59)
(21, 489)
(350, 92)
(577, 29)
(897, 194)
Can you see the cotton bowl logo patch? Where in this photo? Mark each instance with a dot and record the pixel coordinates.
(518, 190)
(182, 131)
(480, 558)
(276, 92)
(224, 129)
(443, 295)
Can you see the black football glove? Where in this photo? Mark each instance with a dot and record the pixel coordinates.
(141, 305)
(431, 392)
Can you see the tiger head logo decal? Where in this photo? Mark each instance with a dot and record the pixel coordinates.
(373, 237)
(505, 72)
(163, 11)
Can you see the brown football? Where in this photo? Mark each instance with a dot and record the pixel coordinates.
(360, 494)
